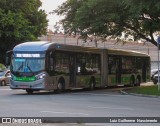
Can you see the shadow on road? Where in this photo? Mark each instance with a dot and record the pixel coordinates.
(107, 90)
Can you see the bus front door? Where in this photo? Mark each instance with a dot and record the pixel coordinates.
(72, 66)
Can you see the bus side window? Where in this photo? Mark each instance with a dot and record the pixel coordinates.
(81, 64)
(50, 62)
(88, 64)
(112, 65)
(62, 63)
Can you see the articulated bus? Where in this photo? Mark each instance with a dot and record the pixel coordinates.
(51, 66)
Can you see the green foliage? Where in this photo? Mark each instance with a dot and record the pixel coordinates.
(146, 90)
(2, 67)
(139, 18)
(20, 20)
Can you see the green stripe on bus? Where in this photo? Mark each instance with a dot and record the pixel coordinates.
(113, 80)
(125, 79)
(24, 79)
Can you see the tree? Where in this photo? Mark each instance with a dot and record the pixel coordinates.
(111, 18)
(20, 20)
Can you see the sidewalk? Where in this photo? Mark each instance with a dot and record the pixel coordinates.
(147, 84)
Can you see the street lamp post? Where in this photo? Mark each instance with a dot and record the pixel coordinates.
(158, 43)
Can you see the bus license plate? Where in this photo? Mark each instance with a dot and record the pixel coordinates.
(23, 86)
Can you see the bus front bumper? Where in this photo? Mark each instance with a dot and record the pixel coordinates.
(35, 85)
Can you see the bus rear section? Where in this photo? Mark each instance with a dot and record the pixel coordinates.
(128, 68)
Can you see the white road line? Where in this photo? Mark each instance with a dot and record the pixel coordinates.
(11, 90)
(63, 113)
(52, 112)
(94, 107)
(77, 113)
(5, 89)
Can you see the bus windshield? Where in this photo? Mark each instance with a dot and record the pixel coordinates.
(28, 65)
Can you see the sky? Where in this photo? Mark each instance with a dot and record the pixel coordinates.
(49, 6)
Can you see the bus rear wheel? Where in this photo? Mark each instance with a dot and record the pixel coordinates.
(60, 87)
(132, 81)
(92, 84)
(29, 91)
(138, 81)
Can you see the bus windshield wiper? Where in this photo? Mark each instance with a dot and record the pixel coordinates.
(30, 69)
(19, 68)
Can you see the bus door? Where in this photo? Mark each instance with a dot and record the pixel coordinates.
(114, 68)
(72, 66)
(118, 70)
(144, 70)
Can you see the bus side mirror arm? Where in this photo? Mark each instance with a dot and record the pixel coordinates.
(7, 61)
(8, 58)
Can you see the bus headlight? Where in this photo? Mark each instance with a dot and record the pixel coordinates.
(41, 76)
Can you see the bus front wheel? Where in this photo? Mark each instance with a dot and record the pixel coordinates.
(29, 91)
(3, 83)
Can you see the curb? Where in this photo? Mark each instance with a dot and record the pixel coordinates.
(140, 95)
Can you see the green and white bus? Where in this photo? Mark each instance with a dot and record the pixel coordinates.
(49, 66)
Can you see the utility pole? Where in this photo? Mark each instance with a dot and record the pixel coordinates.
(158, 43)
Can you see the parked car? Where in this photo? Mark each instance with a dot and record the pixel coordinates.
(153, 71)
(154, 76)
(5, 77)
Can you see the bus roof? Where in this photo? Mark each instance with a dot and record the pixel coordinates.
(42, 46)
(32, 46)
(126, 52)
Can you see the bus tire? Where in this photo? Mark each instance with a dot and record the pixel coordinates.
(60, 86)
(132, 81)
(3, 83)
(92, 84)
(138, 81)
(29, 91)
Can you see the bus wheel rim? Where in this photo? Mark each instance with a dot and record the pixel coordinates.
(132, 82)
(92, 86)
(59, 86)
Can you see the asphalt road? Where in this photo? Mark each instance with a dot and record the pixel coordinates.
(99, 103)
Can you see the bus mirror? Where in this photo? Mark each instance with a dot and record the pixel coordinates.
(8, 58)
(7, 61)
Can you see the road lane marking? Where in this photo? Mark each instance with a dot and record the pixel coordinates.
(52, 112)
(78, 113)
(10, 90)
(5, 89)
(63, 113)
(94, 107)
